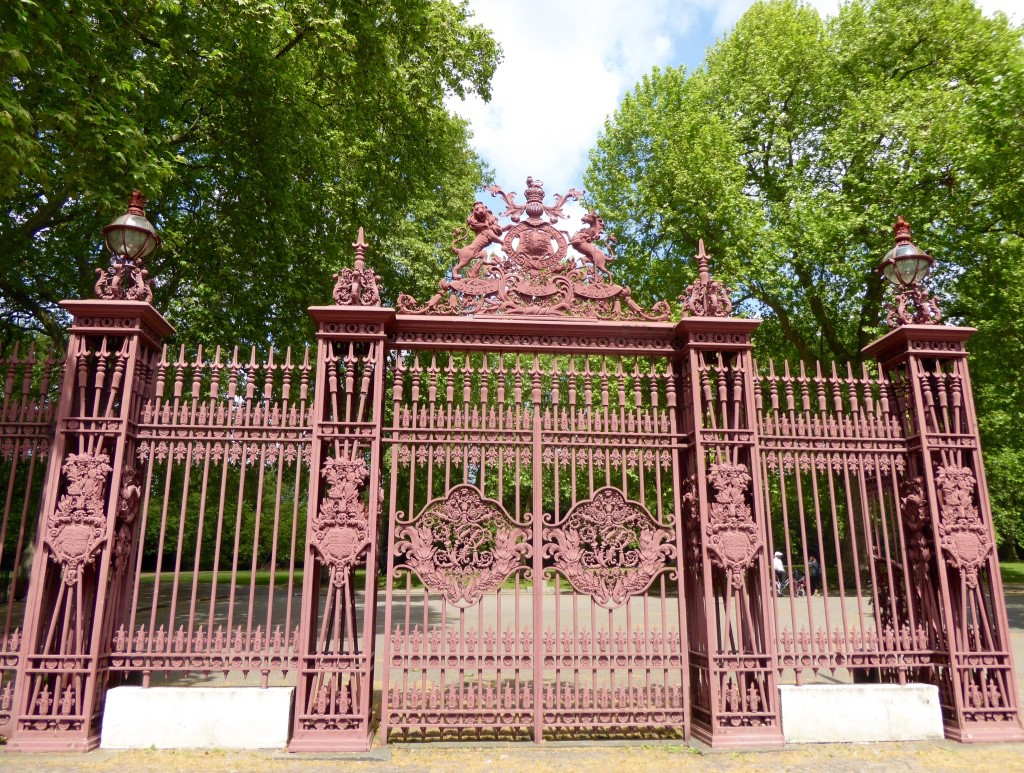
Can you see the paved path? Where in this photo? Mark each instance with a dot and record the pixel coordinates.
(557, 757)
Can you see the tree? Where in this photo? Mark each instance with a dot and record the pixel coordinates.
(263, 133)
(798, 141)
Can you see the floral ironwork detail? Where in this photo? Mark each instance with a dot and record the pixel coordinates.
(609, 547)
(533, 273)
(341, 526)
(706, 297)
(77, 528)
(962, 535)
(357, 286)
(733, 539)
(463, 545)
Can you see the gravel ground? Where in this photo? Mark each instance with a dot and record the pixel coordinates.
(550, 758)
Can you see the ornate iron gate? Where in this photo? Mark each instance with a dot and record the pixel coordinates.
(534, 535)
(582, 499)
(534, 540)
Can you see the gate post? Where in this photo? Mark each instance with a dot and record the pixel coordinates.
(945, 504)
(334, 696)
(734, 699)
(87, 531)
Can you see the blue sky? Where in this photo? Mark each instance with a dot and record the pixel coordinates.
(568, 63)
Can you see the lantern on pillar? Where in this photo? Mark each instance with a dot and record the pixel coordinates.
(906, 266)
(131, 238)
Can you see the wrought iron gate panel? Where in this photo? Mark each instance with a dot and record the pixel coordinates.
(222, 470)
(27, 413)
(533, 546)
(833, 461)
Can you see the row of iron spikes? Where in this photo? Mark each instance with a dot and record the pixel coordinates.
(535, 373)
(14, 360)
(865, 383)
(238, 371)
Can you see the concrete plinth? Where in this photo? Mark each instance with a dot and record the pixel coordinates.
(824, 713)
(197, 718)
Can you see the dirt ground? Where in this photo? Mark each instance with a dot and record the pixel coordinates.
(550, 758)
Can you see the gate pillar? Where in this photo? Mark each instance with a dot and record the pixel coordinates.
(87, 532)
(334, 696)
(734, 699)
(948, 518)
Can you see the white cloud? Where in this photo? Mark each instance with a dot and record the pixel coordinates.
(565, 69)
(568, 64)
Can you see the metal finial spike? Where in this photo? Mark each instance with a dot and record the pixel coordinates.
(901, 230)
(702, 262)
(360, 248)
(137, 203)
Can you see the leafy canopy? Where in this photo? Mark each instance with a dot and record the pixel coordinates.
(264, 134)
(792, 149)
(794, 146)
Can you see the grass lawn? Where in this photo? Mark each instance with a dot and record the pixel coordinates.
(1012, 571)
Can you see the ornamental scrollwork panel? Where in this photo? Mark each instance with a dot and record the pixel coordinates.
(733, 540)
(609, 547)
(341, 526)
(77, 528)
(964, 538)
(463, 545)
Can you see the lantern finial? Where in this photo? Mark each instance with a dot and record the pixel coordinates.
(906, 266)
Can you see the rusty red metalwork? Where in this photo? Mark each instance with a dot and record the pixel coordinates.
(575, 502)
(906, 266)
(533, 273)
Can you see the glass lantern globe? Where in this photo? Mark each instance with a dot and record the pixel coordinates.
(131, 236)
(905, 265)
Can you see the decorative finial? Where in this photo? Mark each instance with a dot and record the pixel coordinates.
(360, 247)
(906, 266)
(534, 206)
(901, 231)
(137, 204)
(705, 297)
(703, 274)
(357, 286)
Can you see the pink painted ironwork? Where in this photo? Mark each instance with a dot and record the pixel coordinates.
(579, 505)
(706, 297)
(957, 572)
(533, 575)
(834, 462)
(905, 266)
(732, 652)
(533, 273)
(218, 484)
(357, 286)
(336, 640)
(27, 415)
(75, 589)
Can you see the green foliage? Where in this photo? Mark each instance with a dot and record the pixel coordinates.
(791, 150)
(264, 134)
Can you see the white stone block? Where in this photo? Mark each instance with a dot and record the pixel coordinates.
(826, 713)
(197, 718)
